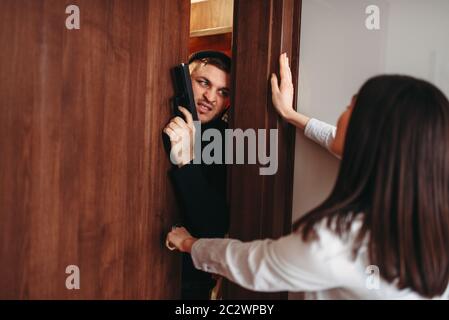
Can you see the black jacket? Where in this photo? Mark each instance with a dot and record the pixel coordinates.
(201, 193)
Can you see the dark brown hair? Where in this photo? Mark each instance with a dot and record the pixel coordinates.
(394, 175)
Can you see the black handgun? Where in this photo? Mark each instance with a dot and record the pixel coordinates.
(183, 91)
(183, 97)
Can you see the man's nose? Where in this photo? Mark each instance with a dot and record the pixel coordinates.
(210, 96)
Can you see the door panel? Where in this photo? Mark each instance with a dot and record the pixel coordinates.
(261, 205)
(83, 174)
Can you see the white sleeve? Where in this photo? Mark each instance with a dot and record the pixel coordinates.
(286, 264)
(320, 132)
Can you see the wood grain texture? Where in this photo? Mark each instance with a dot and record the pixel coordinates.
(83, 174)
(211, 14)
(219, 42)
(261, 205)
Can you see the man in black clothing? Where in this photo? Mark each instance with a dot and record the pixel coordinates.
(201, 188)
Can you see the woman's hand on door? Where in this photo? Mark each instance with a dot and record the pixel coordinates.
(282, 95)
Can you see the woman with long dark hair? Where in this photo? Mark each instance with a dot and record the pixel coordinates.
(388, 211)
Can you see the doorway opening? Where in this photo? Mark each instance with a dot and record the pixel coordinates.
(211, 24)
(211, 28)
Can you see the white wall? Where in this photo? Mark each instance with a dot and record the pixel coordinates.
(418, 40)
(338, 53)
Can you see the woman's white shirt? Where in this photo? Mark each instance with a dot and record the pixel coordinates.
(324, 268)
(320, 132)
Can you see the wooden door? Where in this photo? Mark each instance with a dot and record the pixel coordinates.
(261, 205)
(83, 174)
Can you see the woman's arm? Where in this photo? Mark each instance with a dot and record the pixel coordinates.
(297, 119)
(286, 264)
(322, 133)
(282, 96)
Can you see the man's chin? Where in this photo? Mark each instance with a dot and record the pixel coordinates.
(204, 118)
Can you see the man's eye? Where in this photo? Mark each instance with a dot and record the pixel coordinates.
(224, 94)
(203, 83)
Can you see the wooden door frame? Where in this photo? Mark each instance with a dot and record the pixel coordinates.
(260, 206)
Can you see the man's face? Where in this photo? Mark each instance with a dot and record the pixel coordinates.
(211, 91)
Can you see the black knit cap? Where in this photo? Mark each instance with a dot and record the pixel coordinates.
(211, 54)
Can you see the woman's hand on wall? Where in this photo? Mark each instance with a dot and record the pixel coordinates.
(180, 239)
(282, 95)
